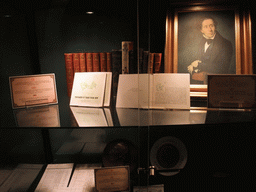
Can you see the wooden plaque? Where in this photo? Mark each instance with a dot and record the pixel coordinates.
(231, 91)
(33, 90)
(112, 179)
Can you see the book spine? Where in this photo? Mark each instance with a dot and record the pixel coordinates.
(96, 62)
(126, 47)
(69, 71)
(76, 62)
(109, 61)
(157, 62)
(145, 61)
(140, 60)
(116, 69)
(151, 63)
(103, 62)
(82, 60)
(89, 62)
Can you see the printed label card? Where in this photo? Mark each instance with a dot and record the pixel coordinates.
(91, 89)
(33, 90)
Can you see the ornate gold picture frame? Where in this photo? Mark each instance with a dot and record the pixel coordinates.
(233, 24)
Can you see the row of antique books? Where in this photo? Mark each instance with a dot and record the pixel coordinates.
(110, 62)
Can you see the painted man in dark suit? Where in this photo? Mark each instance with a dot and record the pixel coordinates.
(214, 53)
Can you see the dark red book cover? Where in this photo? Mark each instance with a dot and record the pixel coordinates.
(96, 62)
(82, 61)
(89, 62)
(103, 61)
(76, 62)
(69, 71)
(109, 62)
(157, 62)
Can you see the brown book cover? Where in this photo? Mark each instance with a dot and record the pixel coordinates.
(103, 61)
(89, 62)
(82, 60)
(157, 62)
(109, 62)
(96, 62)
(151, 63)
(76, 62)
(69, 71)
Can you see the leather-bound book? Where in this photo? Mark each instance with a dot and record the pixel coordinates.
(69, 71)
(89, 62)
(103, 61)
(109, 62)
(96, 62)
(76, 62)
(82, 60)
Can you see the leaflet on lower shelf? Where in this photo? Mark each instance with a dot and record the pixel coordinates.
(20, 178)
(83, 178)
(68, 177)
(55, 177)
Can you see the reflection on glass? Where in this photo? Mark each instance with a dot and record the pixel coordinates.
(92, 117)
(43, 116)
(81, 142)
(133, 117)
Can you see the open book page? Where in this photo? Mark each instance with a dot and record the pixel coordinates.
(83, 178)
(88, 89)
(89, 117)
(133, 91)
(171, 90)
(55, 177)
(155, 91)
(21, 177)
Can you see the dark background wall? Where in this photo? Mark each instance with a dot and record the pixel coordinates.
(35, 34)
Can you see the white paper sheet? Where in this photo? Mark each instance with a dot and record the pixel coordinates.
(83, 179)
(88, 89)
(55, 177)
(91, 89)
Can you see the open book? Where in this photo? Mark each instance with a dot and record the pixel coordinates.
(91, 89)
(155, 91)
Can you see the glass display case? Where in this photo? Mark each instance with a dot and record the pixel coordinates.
(164, 148)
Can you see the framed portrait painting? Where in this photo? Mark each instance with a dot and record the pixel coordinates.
(207, 40)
